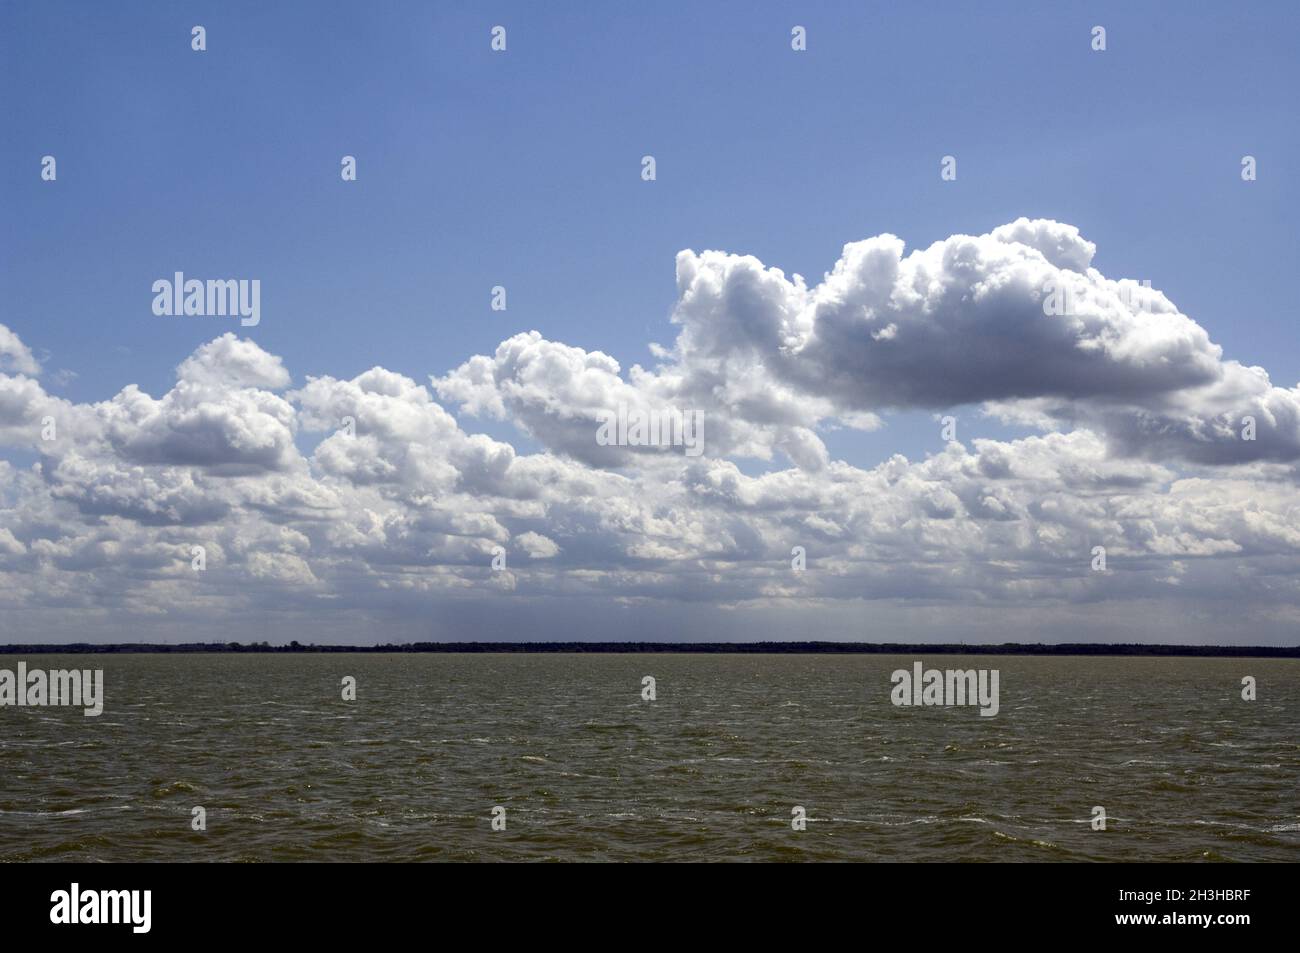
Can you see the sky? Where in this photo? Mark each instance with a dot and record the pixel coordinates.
(1116, 425)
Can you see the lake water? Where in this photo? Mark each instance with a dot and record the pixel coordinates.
(287, 770)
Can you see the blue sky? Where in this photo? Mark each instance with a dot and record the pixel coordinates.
(522, 169)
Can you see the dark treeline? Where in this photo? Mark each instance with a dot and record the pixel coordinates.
(732, 648)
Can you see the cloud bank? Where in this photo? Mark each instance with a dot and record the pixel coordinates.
(365, 509)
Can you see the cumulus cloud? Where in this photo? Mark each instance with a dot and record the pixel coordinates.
(968, 320)
(15, 356)
(227, 363)
(345, 501)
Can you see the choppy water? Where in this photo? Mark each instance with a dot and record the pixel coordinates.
(411, 770)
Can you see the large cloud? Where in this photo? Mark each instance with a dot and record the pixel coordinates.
(959, 322)
(1017, 320)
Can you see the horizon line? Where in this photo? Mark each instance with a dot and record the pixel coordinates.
(700, 648)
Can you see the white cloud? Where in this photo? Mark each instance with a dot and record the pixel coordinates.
(16, 357)
(770, 361)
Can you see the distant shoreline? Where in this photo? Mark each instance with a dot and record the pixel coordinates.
(701, 648)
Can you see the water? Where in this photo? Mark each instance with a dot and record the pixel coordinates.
(287, 770)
